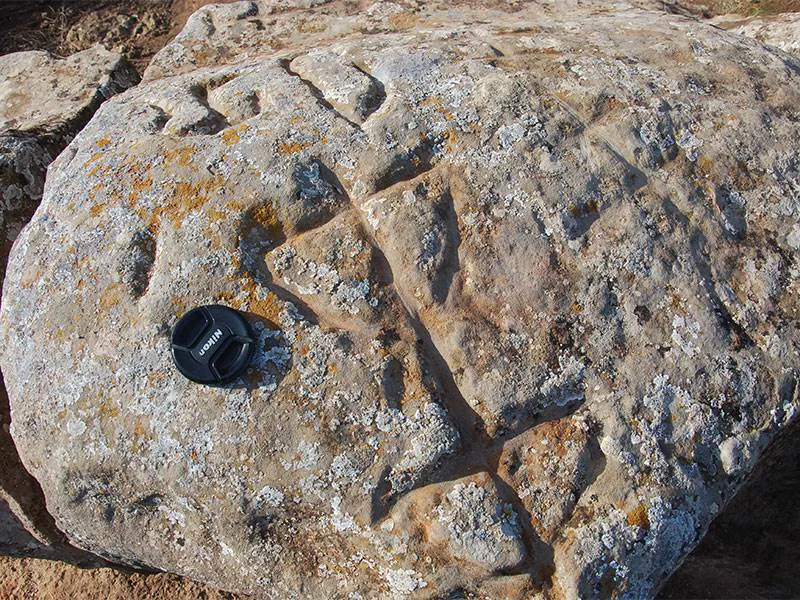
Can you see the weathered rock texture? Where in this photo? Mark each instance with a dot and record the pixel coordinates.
(44, 102)
(781, 31)
(524, 284)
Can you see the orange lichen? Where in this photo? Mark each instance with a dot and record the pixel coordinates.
(446, 113)
(266, 218)
(181, 155)
(268, 307)
(139, 428)
(156, 377)
(638, 517)
(213, 237)
(181, 305)
(101, 168)
(184, 198)
(103, 142)
(141, 184)
(451, 140)
(403, 21)
(94, 158)
(580, 211)
(430, 101)
(214, 214)
(288, 148)
(108, 408)
(230, 137)
(110, 297)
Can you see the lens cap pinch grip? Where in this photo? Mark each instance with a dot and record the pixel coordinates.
(212, 344)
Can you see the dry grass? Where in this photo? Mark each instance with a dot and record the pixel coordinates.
(137, 29)
(46, 34)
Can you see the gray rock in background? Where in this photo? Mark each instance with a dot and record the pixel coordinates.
(781, 31)
(525, 287)
(44, 102)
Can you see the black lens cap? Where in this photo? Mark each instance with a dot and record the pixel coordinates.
(212, 344)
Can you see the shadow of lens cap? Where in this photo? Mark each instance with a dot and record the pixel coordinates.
(212, 344)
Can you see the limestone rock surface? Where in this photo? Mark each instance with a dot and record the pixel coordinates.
(525, 288)
(44, 101)
(781, 31)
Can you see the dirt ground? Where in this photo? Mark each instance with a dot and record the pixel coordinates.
(136, 28)
(35, 579)
(750, 551)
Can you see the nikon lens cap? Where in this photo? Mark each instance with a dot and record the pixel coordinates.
(212, 344)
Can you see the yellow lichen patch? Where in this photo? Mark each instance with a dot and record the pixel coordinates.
(93, 158)
(140, 429)
(705, 166)
(265, 217)
(100, 168)
(181, 155)
(97, 208)
(430, 101)
(213, 237)
(108, 408)
(214, 214)
(141, 184)
(288, 148)
(403, 21)
(268, 307)
(232, 135)
(450, 141)
(638, 517)
(446, 113)
(103, 142)
(185, 198)
(110, 297)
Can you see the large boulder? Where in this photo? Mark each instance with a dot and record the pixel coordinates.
(524, 286)
(44, 102)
